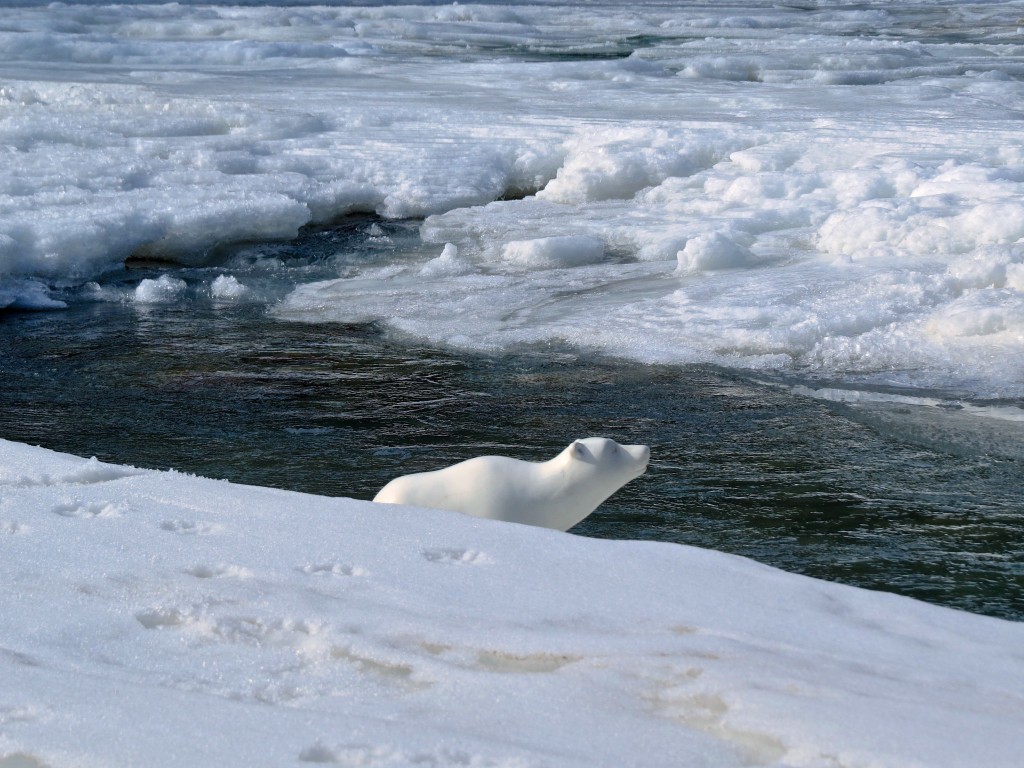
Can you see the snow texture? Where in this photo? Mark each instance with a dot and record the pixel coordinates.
(160, 619)
(829, 190)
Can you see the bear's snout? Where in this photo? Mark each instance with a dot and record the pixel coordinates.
(641, 453)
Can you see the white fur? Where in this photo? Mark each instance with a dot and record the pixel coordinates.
(551, 494)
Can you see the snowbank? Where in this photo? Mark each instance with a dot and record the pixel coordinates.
(153, 618)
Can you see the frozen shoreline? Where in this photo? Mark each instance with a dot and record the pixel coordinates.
(158, 618)
(828, 193)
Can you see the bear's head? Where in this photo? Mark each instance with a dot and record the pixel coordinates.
(607, 458)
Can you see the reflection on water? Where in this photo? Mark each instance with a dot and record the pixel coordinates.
(227, 391)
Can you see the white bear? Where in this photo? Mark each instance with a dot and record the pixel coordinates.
(550, 494)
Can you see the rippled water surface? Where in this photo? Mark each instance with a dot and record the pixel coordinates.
(226, 390)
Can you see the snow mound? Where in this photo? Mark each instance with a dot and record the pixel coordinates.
(553, 252)
(713, 251)
(219, 624)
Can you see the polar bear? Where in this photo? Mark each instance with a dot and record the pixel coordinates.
(550, 494)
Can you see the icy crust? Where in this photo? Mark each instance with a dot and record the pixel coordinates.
(160, 619)
(101, 172)
(831, 190)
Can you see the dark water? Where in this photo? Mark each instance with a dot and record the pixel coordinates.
(739, 466)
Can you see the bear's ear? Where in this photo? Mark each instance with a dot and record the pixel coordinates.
(578, 450)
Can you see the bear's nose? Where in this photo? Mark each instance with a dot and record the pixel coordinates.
(640, 452)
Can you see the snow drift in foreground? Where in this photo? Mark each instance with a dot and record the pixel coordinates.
(153, 618)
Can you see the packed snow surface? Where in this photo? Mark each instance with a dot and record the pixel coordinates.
(160, 619)
(823, 189)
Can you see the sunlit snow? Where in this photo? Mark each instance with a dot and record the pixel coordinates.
(153, 618)
(825, 190)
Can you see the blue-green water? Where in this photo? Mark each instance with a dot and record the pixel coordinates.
(737, 465)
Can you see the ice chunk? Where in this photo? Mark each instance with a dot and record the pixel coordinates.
(227, 287)
(985, 313)
(448, 264)
(712, 251)
(27, 294)
(616, 164)
(163, 288)
(553, 252)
